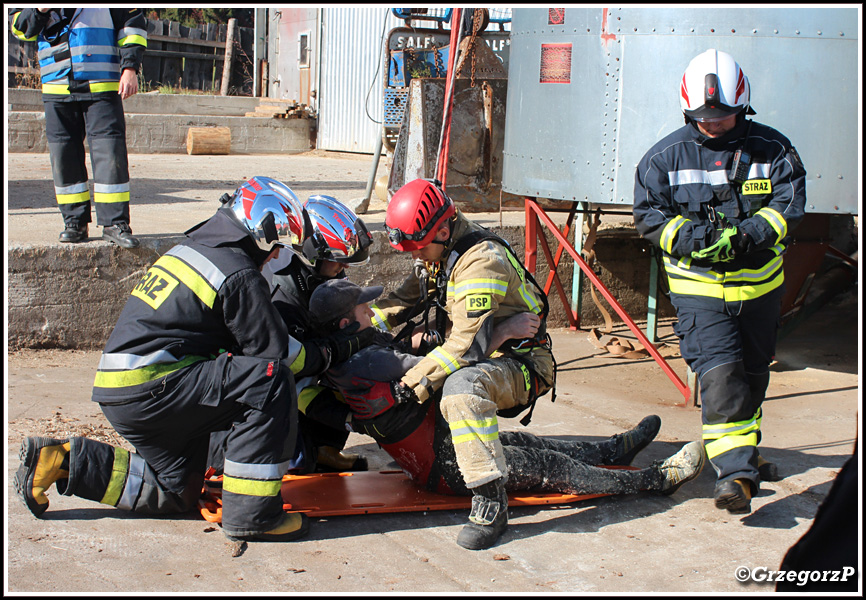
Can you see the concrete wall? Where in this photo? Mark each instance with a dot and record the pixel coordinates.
(161, 126)
(70, 296)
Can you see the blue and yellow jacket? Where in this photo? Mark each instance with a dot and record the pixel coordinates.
(682, 185)
(82, 51)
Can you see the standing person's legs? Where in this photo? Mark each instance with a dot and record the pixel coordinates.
(106, 135)
(65, 132)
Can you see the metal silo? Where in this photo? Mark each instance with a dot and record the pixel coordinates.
(591, 89)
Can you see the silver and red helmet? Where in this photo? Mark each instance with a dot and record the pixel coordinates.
(714, 87)
(339, 235)
(270, 212)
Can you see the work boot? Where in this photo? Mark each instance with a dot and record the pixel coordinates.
(292, 527)
(331, 460)
(43, 462)
(629, 443)
(768, 471)
(74, 233)
(683, 466)
(734, 495)
(120, 234)
(488, 517)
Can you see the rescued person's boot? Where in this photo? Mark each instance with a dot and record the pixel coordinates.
(488, 517)
(330, 459)
(629, 443)
(676, 470)
(43, 462)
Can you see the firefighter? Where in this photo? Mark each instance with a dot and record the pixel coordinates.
(417, 437)
(198, 348)
(339, 239)
(477, 282)
(89, 60)
(720, 196)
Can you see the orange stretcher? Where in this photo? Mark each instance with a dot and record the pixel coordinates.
(368, 492)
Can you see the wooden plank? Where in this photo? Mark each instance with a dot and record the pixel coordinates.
(151, 63)
(192, 66)
(188, 55)
(206, 43)
(172, 67)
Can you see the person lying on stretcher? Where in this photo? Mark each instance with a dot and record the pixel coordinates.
(417, 437)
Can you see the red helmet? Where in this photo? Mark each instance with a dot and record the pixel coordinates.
(415, 213)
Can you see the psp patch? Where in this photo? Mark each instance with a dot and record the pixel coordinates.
(757, 186)
(155, 287)
(478, 303)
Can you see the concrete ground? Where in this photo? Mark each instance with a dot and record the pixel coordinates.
(633, 544)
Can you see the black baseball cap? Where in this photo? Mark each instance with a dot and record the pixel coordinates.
(336, 297)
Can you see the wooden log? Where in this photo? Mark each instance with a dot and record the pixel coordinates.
(208, 140)
(230, 51)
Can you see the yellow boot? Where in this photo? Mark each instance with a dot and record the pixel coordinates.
(291, 527)
(41, 466)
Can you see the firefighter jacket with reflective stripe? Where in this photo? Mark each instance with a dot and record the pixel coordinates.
(486, 285)
(682, 185)
(196, 301)
(82, 51)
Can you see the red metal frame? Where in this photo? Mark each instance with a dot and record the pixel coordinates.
(534, 214)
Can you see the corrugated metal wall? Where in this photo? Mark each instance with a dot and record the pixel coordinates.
(351, 77)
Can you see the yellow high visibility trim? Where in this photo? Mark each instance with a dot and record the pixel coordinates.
(379, 319)
(73, 198)
(17, 32)
(111, 198)
(307, 395)
(712, 432)
(132, 39)
(105, 86)
(300, 360)
(187, 276)
(669, 233)
(485, 430)
(119, 473)
(728, 294)
(730, 442)
(119, 379)
(448, 363)
(478, 286)
(775, 219)
(251, 487)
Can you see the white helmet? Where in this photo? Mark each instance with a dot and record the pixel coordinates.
(270, 212)
(338, 234)
(714, 87)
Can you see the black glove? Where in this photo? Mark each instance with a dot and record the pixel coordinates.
(402, 394)
(347, 342)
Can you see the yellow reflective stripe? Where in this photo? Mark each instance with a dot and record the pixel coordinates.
(448, 363)
(669, 233)
(468, 430)
(119, 472)
(55, 88)
(478, 286)
(683, 268)
(73, 198)
(727, 293)
(251, 487)
(713, 432)
(307, 395)
(775, 219)
(298, 364)
(119, 379)
(379, 320)
(17, 32)
(528, 298)
(200, 286)
(730, 442)
(105, 86)
(110, 198)
(132, 39)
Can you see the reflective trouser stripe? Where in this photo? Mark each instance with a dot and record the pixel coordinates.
(250, 487)
(722, 437)
(119, 472)
(134, 480)
(466, 430)
(111, 192)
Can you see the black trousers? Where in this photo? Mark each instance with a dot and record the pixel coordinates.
(101, 122)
